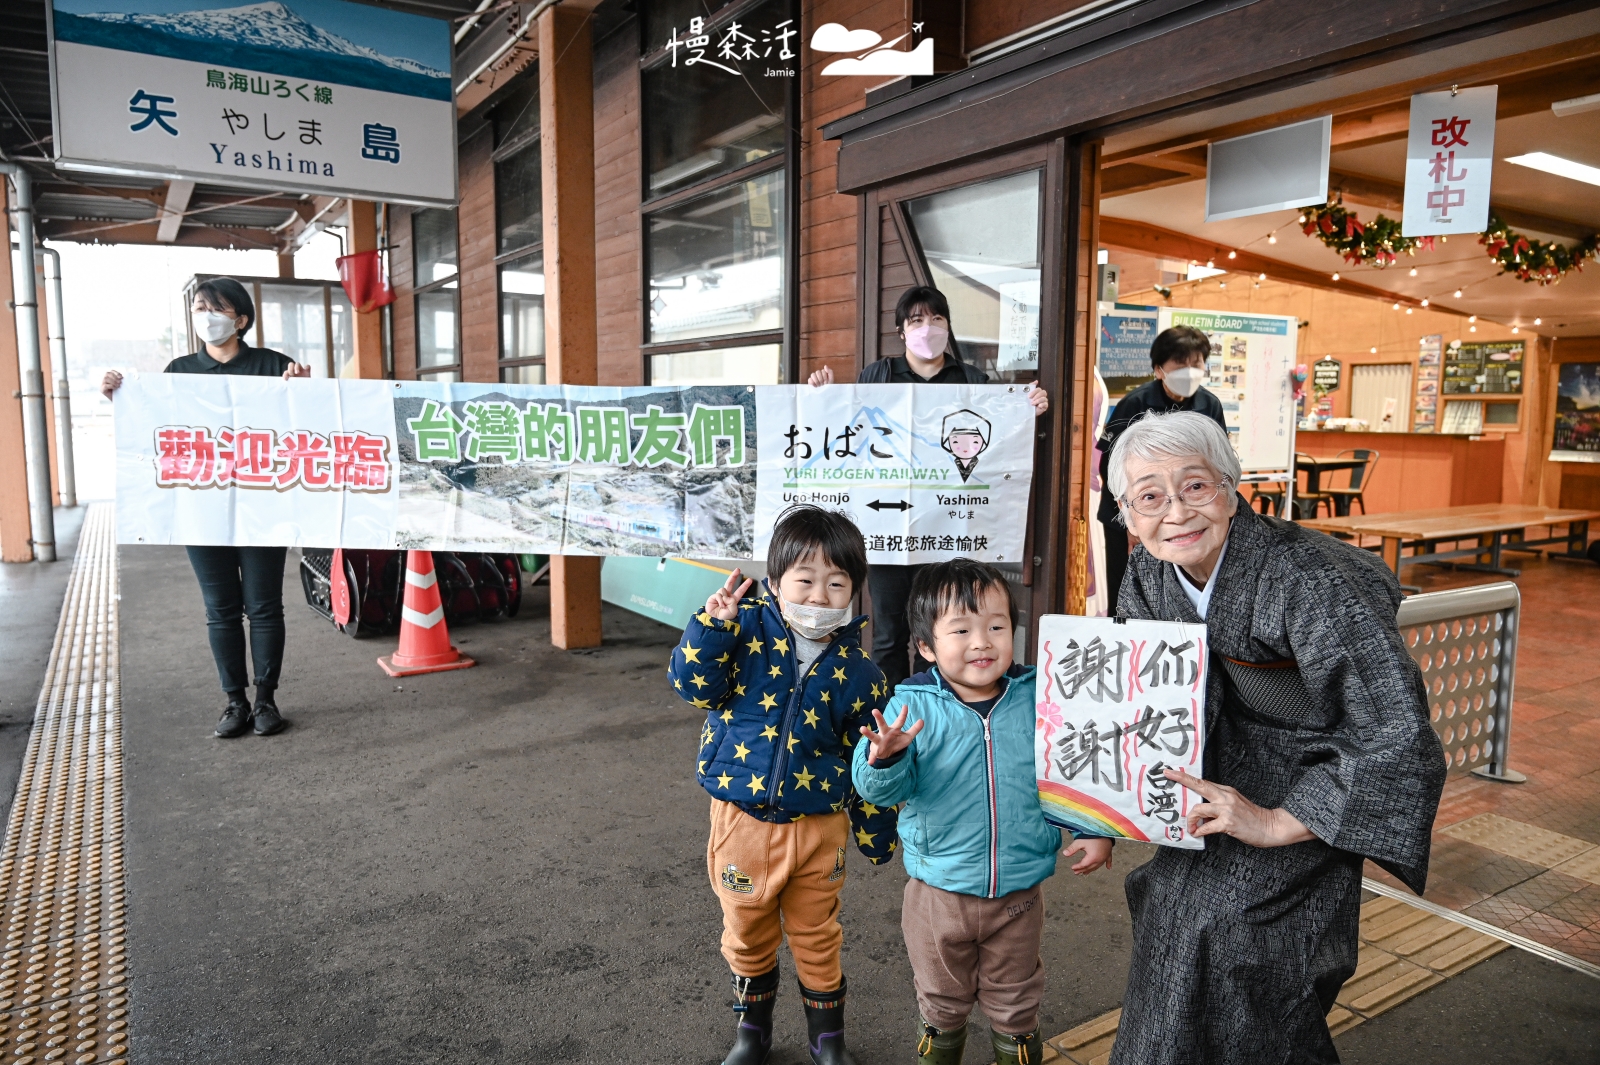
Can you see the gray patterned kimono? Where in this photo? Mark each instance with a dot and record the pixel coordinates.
(1238, 950)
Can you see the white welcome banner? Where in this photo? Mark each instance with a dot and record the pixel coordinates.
(927, 472)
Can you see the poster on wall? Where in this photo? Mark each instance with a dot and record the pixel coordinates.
(1118, 702)
(927, 472)
(1425, 415)
(1251, 358)
(1577, 430)
(312, 96)
(1123, 353)
(1488, 367)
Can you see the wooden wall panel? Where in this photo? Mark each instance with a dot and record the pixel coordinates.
(480, 293)
(402, 266)
(619, 287)
(830, 332)
(991, 20)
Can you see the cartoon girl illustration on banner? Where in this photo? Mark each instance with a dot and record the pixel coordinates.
(965, 435)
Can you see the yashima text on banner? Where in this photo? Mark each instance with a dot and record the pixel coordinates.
(1119, 702)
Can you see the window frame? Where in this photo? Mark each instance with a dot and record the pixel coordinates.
(787, 161)
(452, 283)
(500, 263)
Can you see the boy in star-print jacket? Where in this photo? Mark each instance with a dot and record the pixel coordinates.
(787, 686)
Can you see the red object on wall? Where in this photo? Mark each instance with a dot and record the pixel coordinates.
(339, 589)
(361, 275)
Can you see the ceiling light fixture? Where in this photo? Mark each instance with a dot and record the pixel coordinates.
(1514, 329)
(1397, 306)
(1272, 238)
(1554, 164)
(1211, 264)
(1472, 329)
(1472, 318)
(1576, 106)
(1408, 310)
(1261, 277)
(1372, 351)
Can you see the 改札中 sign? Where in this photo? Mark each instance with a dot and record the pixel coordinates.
(699, 471)
(1449, 155)
(317, 96)
(1119, 702)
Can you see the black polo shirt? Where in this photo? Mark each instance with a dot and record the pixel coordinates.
(1150, 396)
(250, 362)
(901, 373)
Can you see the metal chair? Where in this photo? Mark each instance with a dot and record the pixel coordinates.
(1273, 494)
(1339, 499)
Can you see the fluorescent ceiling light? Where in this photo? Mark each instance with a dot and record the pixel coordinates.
(1576, 106)
(1554, 164)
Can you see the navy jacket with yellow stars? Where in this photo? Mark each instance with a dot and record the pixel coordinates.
(776, 746)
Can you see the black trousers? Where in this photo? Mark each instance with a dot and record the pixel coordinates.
(236, 583)
(1116, 560)
(891, 628)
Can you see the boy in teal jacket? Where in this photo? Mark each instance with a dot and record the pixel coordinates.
(974, 840)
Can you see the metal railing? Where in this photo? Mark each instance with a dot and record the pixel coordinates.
(1465, 641)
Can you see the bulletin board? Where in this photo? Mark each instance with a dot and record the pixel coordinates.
(1252, 356)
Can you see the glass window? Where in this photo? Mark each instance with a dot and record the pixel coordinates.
(981, 243)
(518, 199)
(292, 321)
(344, 324)
(516, 118)
(528, 374)
(436, 328)
(441, 375)
(754, 364)
(433, 234)
(661, 17)
(522, 309)
(716, 262)
(701, 121)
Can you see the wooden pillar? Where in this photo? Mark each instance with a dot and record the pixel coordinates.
(286, 264)
(16, 532)
(1079, 256)
(361, 234)
(566, 115)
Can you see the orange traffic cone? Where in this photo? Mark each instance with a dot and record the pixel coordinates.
(424, 637)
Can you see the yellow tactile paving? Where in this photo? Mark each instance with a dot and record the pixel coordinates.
(1404, 951)
(1585, 866)
(1518, 839)
(63, 969)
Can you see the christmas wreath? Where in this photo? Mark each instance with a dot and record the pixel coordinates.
(1534, 260)
(1378, 242)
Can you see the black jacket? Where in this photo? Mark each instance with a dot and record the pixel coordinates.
(1147, 397)
(878, 373)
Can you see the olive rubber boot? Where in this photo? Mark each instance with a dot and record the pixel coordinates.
(1018, 1049)
(940, 1046)
(825, 1026)
(752, 1041)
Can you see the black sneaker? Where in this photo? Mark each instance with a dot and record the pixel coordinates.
(235, 719)
(267, 720)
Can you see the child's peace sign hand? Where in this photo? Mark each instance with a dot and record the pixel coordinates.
(889, 740)
(724, 602)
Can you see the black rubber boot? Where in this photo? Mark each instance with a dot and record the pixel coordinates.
(236, 718)
(755, 997)
(940, 1046)
(1018, 1049)
(825, 1026)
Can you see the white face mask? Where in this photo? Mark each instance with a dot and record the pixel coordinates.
(1185, 382)
(813, 622)
(213, 327)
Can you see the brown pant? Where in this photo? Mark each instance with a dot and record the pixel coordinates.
(773, 879)
(965, 949)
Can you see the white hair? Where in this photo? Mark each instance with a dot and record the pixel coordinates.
(1180, 434)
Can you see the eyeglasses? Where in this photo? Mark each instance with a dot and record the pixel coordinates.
(1152, 503)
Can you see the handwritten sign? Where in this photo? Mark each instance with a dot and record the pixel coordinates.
(1449, 156)
(1118, 703)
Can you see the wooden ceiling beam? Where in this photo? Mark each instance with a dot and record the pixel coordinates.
(1162, 243)
(1537, 68)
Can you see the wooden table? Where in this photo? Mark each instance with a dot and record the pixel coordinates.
(1495, 526)
(1314, 468)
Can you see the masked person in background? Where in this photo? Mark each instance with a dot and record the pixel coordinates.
(922, 317)
(1178, 357)
(236, 582)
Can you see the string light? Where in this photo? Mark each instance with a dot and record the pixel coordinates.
(1211, 264)
(1261, 277)
(1272, 238)
(1233, 255)
(1413, 271)
(1514, 329)
(1408, 310)
(1538, 321)
(1336, 277)
(1372, 351)
(1397, 306)
(1424, 303)
(1472, 318)
(1472, 329)
(1458, 293)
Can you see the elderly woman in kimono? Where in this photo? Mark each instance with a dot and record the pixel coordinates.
(1318, 754)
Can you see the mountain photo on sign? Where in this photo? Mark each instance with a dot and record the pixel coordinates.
(327, 40)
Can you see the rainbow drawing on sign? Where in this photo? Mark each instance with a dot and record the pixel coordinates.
(1072, 809)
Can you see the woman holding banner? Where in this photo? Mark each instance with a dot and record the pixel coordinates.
(1318, 754)
(236, 582)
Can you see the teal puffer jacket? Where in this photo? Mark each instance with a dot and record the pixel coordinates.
(971, 823)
